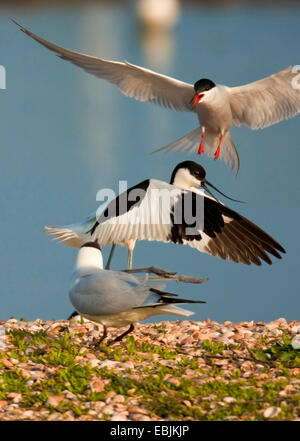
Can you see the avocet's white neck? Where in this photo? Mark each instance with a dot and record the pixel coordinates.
(184, 179)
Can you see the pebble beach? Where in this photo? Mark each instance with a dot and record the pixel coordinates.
(181, 370)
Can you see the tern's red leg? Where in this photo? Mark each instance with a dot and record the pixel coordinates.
(217, 152)
(201, 149)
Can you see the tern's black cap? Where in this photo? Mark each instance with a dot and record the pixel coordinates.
(195, 169)
(203, 85)
(91, 245)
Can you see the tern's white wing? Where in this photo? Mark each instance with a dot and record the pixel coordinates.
(134, 81)
(267, 101)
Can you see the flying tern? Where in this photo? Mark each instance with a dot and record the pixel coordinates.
(258, 105)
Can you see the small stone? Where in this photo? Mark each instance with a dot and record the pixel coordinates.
(3, 403)
(187, 403)
(94, 362)
(272, 412)
(119, 417)
(229, 400)
(296, 342)
(174, 381)
(295, 329)
(54, 400)
(111, 394)
(7, 363)
(107, 363)
(17, 398)
(90, 356)
(27, 414)
(13, 395)
(97, 385)
(271, 326)
(119, 399)
(137, 410)
(107, 409)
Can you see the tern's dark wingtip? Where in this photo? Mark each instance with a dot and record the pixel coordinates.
(18, 24)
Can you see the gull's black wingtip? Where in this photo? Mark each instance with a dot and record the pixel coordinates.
(74, 314)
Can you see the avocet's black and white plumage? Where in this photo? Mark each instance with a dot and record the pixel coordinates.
(114, 298)
(142, 213)
(258, 104)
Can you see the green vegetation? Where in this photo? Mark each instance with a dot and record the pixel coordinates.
(169, 383)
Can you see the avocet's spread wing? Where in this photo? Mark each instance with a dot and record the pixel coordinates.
(222, 233)
(134, 81)
(229, 235)
(141, 213)
(266, 101)
(73, 235)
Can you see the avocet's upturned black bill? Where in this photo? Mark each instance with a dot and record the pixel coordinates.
(224, 233)
(258, 104)
(114, 298)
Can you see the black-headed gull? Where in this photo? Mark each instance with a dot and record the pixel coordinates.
(114, 298)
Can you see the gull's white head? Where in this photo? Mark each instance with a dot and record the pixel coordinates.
(204, 88)
(89, 257)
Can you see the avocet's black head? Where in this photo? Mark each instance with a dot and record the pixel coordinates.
(203, 85)
(188, 174)
(201, 88)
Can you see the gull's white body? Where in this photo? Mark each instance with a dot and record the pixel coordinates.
(258, 104)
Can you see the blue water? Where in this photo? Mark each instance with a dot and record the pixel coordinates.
(66, 134)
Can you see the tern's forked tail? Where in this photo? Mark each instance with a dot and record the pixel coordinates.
(190, 143)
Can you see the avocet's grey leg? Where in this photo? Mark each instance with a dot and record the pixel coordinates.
(129, 261)
(112, 250)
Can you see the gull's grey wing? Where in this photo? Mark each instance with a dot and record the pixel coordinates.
(266, 101)
(134, 81)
